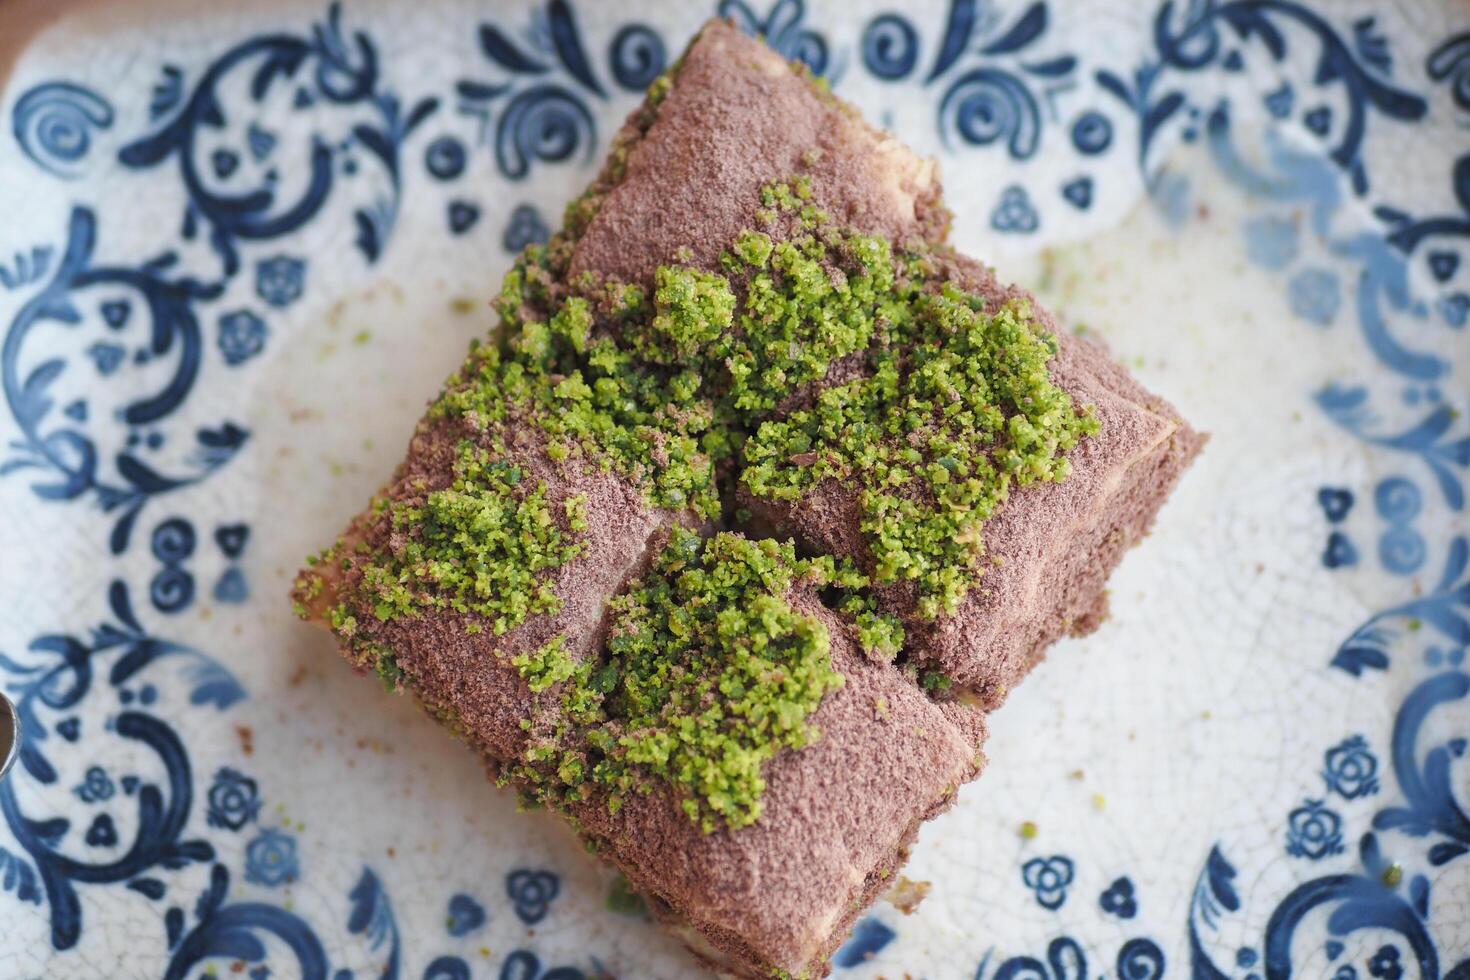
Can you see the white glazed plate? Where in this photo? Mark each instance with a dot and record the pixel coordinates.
(239, 248)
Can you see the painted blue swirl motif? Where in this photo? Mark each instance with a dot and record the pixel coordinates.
(1450, 63)
(54, 122)
(58, 687)
(1443, 612)
(782, 28)
(143, 316)
(544, 82)
(243, 182)
(636, 57)
(50, 685)
(1427, 824)
(1138, 959)
(1440, 439)
(995, 100)
(1351, 89)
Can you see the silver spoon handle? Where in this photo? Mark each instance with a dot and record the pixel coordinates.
(9, 735)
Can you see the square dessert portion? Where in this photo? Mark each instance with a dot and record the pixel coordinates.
(749, 331)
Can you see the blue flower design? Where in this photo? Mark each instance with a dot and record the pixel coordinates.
(270, 859)
(280, 280)
(1454, 309)
(1271, 242)
(1351, 769)
(782, 30)
(1118, 899)
(1014, 212)
(54, 123)
(1397, 500)
(1314, 295)
(445, 158)
(890, 47)
(1385, 963)
(1313, 831)
(102, 833)
(241, 336)
(1346, 972)
(107, 357)
(524, 228)
(526, 965)
(532, 893)
(1335, 503)
(1079, 192)
(1092, 133)
(462, 216)
(1048, 878)
(636, 56)
(95, 787)
(1279, 101)
(1340, 551)
(173, 540)
(447, 968)
(1401, 550)
(234, 800)
(465, 915)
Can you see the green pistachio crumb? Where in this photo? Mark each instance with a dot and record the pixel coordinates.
(388, 670)
(622, 899)
(482, 545)
(1028, 830)
(957, 409)
(935, 682)
(709, 673)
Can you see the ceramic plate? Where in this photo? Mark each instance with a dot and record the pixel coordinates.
(239, 249)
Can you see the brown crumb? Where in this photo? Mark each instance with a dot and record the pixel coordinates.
(906, 894)
(247, 739)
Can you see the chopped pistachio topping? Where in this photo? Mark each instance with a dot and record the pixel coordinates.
(956, 408)
(709, 672)
(481, 545)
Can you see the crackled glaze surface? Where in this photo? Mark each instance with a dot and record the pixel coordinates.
(240, 248)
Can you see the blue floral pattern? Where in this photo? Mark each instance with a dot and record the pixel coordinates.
(234, 800)
(1048, 878)
(1314, 831)
(1351, 770)
(111, 708)
(280, 280)
(241, 336)
(270, 859)
(465, 915)
(532, 893)
(1118, 899)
